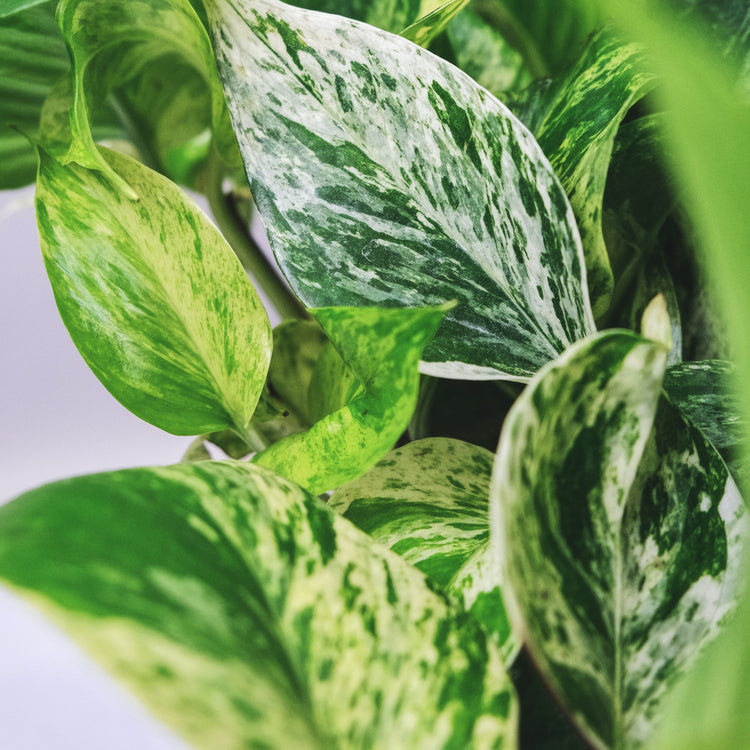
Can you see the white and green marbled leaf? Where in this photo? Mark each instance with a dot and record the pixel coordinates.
(706, 393)
(617, 528)
(429, 502)
(387, 177)
(152, 296)
(367, 391)
(578, 135)
(245, 614)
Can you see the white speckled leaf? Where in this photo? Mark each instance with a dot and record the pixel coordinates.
(429, 502)
(387, 177)
(370, 387)
(619, 529)
(245, 614)
(153, 297)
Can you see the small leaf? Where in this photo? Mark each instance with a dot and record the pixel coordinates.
(152, 296)
(706, 393)
(620, 531)
(387, 177)
(246, 614)
(382, 349)
(428, 501)
(434, 16)
(655, 323)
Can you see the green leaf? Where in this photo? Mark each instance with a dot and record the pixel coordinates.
(428, 501)
(483, 53)
(152, 296)
(156, 59)
(11, 7)
(246, 614)
(619, 529)
(706, 393)
(578, 134)
(549, 35)
(32, 58)
(382, 348)
(434, 17)
(386, 177)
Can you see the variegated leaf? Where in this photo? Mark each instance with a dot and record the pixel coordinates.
(435, 15)
(386, 176)
(428, 501)
(158, 59)
(578, 133)
(484, 53)
(706, 393)
(153, 297)
(382, 349)
(247, 615)
(619, 529)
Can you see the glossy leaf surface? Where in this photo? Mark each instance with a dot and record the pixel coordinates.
(153, 297)
(578, 134)
(382, 349)
(429, 502)
(386, 177)
(246, 614)
(706, 393)
(619, 528)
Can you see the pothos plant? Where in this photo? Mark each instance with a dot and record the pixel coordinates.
(478, 487)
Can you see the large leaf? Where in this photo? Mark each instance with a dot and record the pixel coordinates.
(706, 393)
(157, 60)
(429, 502)
(32, 58)
(578, 135)
(381, 348)
(246, 614)
(386, 176)
(620, 530)
(152, 295)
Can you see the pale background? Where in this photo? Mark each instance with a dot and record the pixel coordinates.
(57, 420)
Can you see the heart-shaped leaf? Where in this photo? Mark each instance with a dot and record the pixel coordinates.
(620, 531)
(153, 297)
(380, 349)
(246, 614)
(386, 176)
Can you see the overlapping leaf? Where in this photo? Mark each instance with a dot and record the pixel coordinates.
(153, 297)
(385, 176)
(157, 59)
(246, 614)
(381, 348)
(428, 501)
(706, 393)
(619, 527)
(578, 134)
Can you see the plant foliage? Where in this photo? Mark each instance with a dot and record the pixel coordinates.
(402, 548)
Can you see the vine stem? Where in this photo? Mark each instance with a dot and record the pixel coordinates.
(237, 234)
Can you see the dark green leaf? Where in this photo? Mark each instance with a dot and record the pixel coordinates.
(153, 297)
(247, 615)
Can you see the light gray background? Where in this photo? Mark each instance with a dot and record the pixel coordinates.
(57, 420)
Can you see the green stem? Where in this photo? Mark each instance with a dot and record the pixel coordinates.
(247, 250)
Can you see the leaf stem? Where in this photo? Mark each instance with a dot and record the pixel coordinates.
(251, 256)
